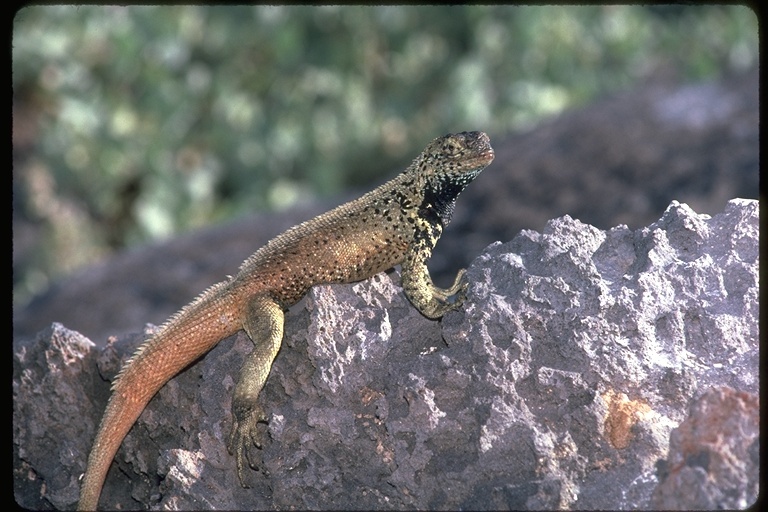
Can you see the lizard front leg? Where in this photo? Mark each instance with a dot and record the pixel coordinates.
(263, 323)
(432, 301)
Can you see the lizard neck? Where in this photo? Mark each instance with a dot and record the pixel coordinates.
(440, 197)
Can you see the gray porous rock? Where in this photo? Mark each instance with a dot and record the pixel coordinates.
(714, 459)
(578, 374)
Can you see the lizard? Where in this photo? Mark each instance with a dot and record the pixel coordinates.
(398, 223)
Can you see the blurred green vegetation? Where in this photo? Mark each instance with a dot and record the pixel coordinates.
(132, 123)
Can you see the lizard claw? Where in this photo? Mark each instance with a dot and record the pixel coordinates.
(244, 436)
(454, 296)
(461, 294)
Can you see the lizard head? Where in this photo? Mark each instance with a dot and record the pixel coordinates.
(448, 164)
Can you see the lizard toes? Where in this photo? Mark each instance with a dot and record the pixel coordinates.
(243, 440)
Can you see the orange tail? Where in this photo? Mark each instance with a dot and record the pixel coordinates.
(187, 336)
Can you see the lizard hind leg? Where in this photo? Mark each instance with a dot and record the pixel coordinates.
(263, 323)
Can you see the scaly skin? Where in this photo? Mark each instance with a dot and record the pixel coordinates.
(397, 223)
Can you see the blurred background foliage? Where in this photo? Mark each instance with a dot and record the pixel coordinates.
(133, 123)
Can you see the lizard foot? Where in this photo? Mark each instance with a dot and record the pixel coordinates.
(244, 436)
(458, 291)
(448, 299)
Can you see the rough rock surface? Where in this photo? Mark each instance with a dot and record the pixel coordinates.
(557, 385)
(714, 459)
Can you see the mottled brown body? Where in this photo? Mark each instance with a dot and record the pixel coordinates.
(397, 223)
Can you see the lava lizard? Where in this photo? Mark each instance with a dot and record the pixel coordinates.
(397, 223)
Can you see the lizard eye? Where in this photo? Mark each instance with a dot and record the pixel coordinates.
(451, 148)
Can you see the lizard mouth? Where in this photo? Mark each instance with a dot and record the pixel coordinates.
(482, 159)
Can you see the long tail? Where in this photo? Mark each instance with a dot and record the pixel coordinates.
(188, 335)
